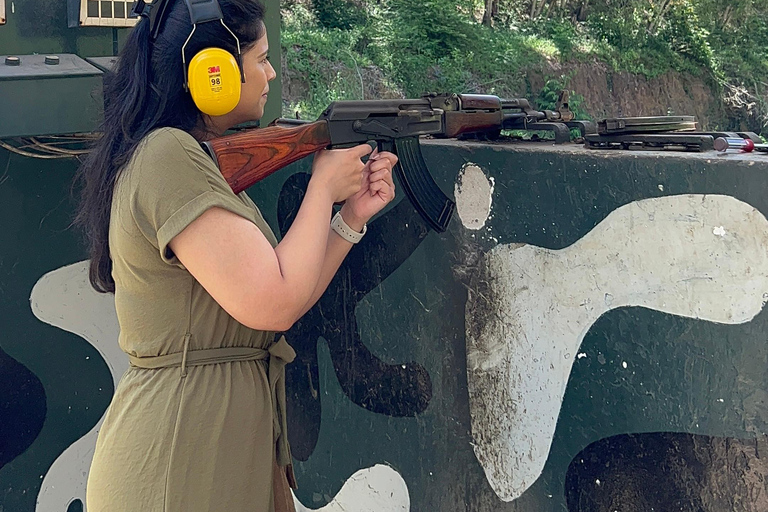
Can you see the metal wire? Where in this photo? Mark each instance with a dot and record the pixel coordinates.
(49, 147)
(54, 149)
(29, 154)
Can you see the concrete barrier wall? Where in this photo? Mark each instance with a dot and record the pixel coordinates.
(588, 335)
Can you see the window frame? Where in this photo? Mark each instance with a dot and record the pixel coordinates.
(91, 21)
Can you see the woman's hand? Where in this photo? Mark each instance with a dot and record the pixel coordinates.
(377, 191)
(340, 172)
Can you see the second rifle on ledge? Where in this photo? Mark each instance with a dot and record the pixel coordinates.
(396, 125)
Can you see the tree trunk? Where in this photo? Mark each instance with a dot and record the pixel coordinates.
(653, 25)
(491, 12)
(536, 7)
(580, 13)
(726, 19)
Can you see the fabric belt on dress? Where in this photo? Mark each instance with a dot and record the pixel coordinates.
(279, 354)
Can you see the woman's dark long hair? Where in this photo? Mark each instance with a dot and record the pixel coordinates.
(145, 92)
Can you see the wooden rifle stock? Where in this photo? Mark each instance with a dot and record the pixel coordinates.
(247, 157)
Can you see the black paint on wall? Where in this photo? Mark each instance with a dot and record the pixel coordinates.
(22, 408)
(75, 506)
(669, 471)
(391, 389)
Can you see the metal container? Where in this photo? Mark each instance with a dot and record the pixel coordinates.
(49, 94)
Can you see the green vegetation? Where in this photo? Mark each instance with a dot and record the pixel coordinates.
(353, 49)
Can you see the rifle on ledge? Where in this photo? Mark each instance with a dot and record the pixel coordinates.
(249, 156)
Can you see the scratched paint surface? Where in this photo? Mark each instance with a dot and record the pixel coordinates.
(637, 370)
(529, 309)
(64, 299)
(35, 212)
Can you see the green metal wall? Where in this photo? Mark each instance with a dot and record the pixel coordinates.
(640, 279)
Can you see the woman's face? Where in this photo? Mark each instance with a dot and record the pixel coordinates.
(258, 73)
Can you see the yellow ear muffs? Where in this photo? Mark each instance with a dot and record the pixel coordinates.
(214, 81)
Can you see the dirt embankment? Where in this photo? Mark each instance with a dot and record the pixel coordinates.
(606, 93)
(619, 94)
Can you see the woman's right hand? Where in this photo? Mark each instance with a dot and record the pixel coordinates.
(339, 171)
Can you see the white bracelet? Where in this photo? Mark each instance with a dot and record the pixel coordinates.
(346, 232)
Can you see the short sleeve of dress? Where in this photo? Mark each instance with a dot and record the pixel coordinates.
(172, 182)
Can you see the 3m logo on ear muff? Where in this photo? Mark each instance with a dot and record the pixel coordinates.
(214, 77)
(214, 81)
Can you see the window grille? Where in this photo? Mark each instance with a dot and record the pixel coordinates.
(105, 13)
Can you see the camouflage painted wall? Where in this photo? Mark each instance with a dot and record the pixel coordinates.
(589, 335)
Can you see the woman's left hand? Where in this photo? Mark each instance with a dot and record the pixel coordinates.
(377, 190)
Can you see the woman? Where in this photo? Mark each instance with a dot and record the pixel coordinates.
(201, 284)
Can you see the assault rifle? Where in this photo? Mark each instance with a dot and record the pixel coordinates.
(396, 125)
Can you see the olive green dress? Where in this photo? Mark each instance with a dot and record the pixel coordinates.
(197, 421)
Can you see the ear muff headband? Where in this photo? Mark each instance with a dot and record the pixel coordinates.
(214, 76)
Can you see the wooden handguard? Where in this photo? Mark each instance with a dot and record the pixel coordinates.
(250, 156)
(459, 123)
